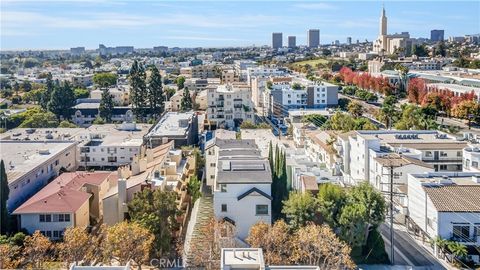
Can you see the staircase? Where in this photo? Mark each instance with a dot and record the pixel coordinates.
(202, 213)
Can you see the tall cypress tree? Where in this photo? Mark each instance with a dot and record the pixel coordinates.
(138, 89)
(270, 156)
(186, 103)
(4, 191)
(156, 96)
(106, 106)
(48, 92)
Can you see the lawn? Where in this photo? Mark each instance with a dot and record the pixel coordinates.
(312, 63)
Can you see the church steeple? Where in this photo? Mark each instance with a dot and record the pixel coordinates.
(383, 22)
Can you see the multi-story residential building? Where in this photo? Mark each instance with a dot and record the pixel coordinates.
(197, 84)
(284, 95)
(446, 205)
(313, 38)
(292, 42)
(457, 90)
(86, 112)
(111, 145)
(31, 164)
(182, 128)
(437, 35)
(471, 158)
(242, 187)
(230, 76)
(435, 148)
(200, 71)
(120, 95)
(277, 40)
(70, 200)
(229, 105)
(77, 51)
(257, 78)
(175, 102)
(162, 167)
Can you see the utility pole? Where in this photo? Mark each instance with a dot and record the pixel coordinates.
(391, 162)
(392, 246)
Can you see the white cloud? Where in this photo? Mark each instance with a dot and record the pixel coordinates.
(315, 6)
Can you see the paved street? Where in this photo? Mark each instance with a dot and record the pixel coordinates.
(407, 251)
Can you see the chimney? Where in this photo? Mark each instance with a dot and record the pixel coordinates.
(122, 198)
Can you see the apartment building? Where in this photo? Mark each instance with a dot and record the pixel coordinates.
(200, 71)
(282, 96)
(471, 158)
(31, 164)
(70, 200)
(198, 84)
(86, 112)
(257, 78)
(229, 105)
(446, 205)
(182, 128)
(435, 148)
(110, 145)
(162, 167)
(120, 95)
(241, 185)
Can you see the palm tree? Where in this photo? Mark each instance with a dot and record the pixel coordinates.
(457, 249)
(440, 243)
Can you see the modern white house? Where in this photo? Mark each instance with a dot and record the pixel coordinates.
(447, 205)
(242, 188)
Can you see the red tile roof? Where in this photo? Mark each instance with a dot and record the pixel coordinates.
(64, 194)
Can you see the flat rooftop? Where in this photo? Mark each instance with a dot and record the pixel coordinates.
(262, 138)
(173, 124)
(41, 134)
(241, 166)
(412, 138)
(21, 157)
(113, 135)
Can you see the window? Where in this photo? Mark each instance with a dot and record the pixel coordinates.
(443, 154)
(67, 217)
(461, 231)
(428, 154)
(261, 209)
(56, 234)
(476, 230)
(443, 167)
(42, 218)
(212, 176)
(223, 188)
(112, 159)
(459, 153)
(49, 233)
(224, 208)
(212, 164)
(48, 218)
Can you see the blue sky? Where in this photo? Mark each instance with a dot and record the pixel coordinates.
(58, 24)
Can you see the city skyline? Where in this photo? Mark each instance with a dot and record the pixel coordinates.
(62, 24)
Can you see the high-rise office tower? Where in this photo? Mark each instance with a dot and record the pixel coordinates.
(292, 41)
(277, 40)
(349, 40)
(313, 38)
(437, 35)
